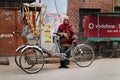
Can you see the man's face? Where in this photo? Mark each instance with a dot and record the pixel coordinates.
(66, 21)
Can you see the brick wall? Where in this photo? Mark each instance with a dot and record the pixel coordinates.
(73, 12)
(75, 5)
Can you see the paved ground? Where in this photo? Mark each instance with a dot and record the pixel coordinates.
(101, 69)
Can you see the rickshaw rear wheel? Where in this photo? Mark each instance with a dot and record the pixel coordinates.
(32, 60)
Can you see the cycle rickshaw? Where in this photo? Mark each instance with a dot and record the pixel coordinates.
(30, 57)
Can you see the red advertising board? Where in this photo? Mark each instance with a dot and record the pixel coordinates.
(102, 26)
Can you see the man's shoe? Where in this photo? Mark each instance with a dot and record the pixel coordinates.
(61, 67)
(65, 66)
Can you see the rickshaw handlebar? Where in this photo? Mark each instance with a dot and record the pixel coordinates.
(59, 34)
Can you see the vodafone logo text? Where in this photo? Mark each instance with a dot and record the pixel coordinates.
(105, 26)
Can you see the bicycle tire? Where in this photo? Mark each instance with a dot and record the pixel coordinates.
(105, 52)
(17, 59)
(33, 66)
(83, 55)
(118, 54)
(18, 54)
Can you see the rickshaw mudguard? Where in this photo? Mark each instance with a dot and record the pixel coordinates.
(31, 46)
(20, 47)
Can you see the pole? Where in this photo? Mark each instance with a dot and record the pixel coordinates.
(39, 1)
(98, 22)
(56, 7)
(57, 11)
(113, 4)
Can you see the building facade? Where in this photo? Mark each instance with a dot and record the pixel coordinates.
(77, 9)
(10, 26)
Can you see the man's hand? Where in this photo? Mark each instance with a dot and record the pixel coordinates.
(59, 34)
(75, 37)
(74, 42)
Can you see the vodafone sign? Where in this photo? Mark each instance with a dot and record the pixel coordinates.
(104, 27)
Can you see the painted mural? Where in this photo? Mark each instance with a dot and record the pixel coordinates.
(54, 21)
